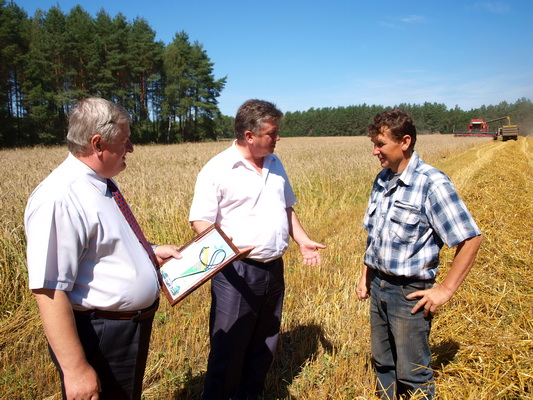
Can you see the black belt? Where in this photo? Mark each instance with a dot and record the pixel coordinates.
(138, 315)
(261, 264)
(402, 280)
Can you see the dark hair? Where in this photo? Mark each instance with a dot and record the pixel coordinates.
(252, 114)
(399, 123)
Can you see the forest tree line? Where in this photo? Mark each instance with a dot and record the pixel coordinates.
(428, 117)
(52, 59)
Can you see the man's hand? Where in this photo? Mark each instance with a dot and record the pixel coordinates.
(363, 287)
(166, 251)
(435, 297)
(310, 254)
(431, 299)
(81, 383)
(308, 248)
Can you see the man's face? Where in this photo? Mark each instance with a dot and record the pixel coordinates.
(390, 152)
(264, 142)
(114, 154)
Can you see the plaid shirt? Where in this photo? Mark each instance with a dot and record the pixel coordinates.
(408, 223)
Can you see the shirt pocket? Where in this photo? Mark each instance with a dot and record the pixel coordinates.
(405, 222)
(369, 218)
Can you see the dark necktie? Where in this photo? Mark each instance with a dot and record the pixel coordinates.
(123, 206)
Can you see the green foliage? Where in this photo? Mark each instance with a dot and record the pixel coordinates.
(429, 118)
(53, 59)
(190, 91)
(224, 126)
(340, 121)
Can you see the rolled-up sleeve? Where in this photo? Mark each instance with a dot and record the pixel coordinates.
(449, 216)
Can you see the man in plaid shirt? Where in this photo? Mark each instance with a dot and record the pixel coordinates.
(413, 210)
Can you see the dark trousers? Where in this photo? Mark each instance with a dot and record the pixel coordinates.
(117, 350)
(247, 300)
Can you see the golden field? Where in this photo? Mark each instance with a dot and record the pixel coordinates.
(482, 339)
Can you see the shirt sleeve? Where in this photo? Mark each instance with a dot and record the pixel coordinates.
(55, 246)
(205, 203)
(290, 197)
(449, 216)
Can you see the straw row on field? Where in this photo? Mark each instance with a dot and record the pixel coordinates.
(481, 339)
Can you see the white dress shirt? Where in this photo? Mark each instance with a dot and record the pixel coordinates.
(79, 242)
(250, 207)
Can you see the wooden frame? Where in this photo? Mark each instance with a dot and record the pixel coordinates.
(202, 258)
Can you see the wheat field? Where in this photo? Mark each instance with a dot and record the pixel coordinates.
(481, 340)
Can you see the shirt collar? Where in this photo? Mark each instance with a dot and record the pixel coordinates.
(239, 159)
(98, 182)
(407, 175)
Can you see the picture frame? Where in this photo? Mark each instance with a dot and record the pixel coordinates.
(202, 258)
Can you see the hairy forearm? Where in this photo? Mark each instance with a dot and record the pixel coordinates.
(363, 286)
(79, 377)
(308, 248)
(296, 229)
(462, 263)
(200, 226)
(60, 328)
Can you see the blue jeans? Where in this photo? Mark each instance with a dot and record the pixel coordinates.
(400, 340)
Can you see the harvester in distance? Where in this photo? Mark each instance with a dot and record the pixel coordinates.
(479, 128)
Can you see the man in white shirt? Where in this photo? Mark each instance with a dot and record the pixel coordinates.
(93, 277)
(245, 190)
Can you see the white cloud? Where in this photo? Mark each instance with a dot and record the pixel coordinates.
(397, 22)
(495, 7)
(412, 19)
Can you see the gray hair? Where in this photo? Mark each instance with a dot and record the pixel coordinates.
(252, 114)
(94, 116)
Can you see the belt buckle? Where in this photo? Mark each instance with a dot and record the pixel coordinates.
(135, 318)
(150, 310)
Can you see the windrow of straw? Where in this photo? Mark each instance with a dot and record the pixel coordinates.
(481, 339)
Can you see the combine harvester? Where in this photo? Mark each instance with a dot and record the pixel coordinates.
(479, 128)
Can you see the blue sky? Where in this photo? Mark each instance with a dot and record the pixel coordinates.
(329, 53)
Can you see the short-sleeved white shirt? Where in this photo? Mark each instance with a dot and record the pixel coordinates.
(79, 242)
(250, 207)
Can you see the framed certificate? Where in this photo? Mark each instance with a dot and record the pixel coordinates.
(202, 258)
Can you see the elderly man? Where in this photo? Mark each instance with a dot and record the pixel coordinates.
(413, 210)
(245, 190)
(91, 270)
